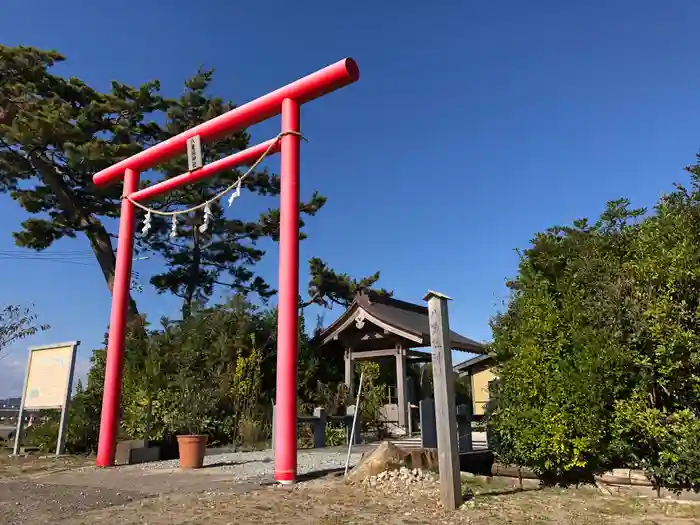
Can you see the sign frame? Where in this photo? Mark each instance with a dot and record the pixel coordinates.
(66, 401)
(194, 153)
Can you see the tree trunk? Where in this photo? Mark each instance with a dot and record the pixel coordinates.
(191, 287)
(93, 228)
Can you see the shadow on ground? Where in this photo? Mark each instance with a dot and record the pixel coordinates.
(234, 463)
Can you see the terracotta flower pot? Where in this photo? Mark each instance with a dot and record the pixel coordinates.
(192, 450)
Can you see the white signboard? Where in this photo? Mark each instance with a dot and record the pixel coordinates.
(48, 385)
(49, 377)
(194, 152)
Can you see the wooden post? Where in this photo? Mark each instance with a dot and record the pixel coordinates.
(428, 431)
(20, 416)
(274, 417)
(445, 409)
(348, 370)
(464, 428)
(63, 424)
(401, 385)
(320, 427)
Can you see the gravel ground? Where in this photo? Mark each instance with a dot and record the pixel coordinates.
(235, 489)
(256, 467)
(87, 494)
(244, 466)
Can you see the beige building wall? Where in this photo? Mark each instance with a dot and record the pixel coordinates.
(480, 390)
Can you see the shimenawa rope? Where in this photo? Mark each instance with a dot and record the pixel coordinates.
(236, 185)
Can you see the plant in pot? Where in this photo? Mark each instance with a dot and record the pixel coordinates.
(193, 404)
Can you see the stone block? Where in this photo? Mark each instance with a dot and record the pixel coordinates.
(144, 455)
(122, 455)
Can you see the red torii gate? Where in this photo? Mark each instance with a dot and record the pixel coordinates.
(286, 100)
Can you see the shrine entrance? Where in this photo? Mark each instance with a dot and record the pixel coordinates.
(377, 326)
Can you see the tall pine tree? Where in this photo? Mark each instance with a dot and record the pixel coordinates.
(327, 287)
(55, 133)
(226, 252)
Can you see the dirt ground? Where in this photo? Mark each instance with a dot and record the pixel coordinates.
(70, 491)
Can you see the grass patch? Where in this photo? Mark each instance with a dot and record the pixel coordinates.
(21, 466)
(483, 485)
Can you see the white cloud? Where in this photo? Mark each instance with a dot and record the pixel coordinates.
(12, 371)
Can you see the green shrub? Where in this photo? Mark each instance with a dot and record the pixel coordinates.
(374, 396)
(253, 431)
(213, 372)
(665, 445)
(599, 348)
(335, 436)
(550, 410)
(43, 436)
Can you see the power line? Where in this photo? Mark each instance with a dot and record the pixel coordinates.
(24, 254)
(6, 353)
(75, 257)
(45, 254)
(47, 259)
(56, 255)
(49, 252)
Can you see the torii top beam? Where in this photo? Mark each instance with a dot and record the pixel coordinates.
(304, 90)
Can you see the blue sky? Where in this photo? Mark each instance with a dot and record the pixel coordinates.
(473, 126)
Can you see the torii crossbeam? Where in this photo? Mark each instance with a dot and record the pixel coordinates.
(286, 101)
